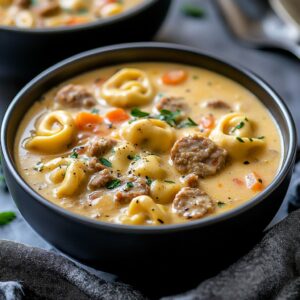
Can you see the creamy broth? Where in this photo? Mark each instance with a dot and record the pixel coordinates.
(53, 13)
(144, 168)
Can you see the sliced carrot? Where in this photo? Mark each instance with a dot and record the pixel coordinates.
(207, 122)
(117, 115)
(87, 121)
(76, 20)
(174, 77)
(253, 182)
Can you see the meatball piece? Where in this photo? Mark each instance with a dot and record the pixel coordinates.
(75, 96)
(171, 104)
(218, 104)
(22, 3)
(198, 155)
(191, 180)
(192, 203)
(48, 8)
(134, 187)
(100, 146)
(94, 165)
(100, 179)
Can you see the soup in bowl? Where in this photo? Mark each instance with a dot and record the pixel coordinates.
(150, 143)
(138, 158)
(53, 13)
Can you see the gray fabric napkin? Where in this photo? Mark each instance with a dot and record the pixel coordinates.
(33, 273)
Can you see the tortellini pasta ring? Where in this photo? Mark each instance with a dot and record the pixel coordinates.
(75, 175)
(128, 87)
(53, 139)
(143, 208)
(149, 166)
(151, 134)
(164, 192)
(234, 133)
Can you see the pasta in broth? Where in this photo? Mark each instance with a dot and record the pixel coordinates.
(148, 144)
(53, 13)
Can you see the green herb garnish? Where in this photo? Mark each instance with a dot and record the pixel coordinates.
(6, 217)
(169, 116)
(193, 11)
(135, 112)
(240, 139)
(148, 180)
(188, 123)
(169, 181)
(238, 126)
(113, 184)
(95, 111)
(220, 204)
(74, 154)
(129, 185)
(105, 162)
(261, 137)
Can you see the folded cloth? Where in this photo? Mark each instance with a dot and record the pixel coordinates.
(11, 290)
(269, 271)
(40, 274)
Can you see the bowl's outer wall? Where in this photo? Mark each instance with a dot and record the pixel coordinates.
(23, 54)
(207, 248)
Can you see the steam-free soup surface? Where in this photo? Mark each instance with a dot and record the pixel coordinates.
(148, 144)
(53, 13)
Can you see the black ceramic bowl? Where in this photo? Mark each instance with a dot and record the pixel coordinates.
(167, 253)
(26, 52)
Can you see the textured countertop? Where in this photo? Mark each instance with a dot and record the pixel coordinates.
(209, 34)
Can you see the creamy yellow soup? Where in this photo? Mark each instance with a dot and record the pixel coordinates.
(53, 13)
(148, 144)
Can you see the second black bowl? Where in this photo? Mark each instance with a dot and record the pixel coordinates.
(26, 52)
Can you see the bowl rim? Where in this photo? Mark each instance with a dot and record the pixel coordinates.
(133, 11)
(287, 162)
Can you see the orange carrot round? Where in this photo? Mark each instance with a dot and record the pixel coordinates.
(174, 77)
(253, 182)
(86, 121)
(117, 115)
(208, 122)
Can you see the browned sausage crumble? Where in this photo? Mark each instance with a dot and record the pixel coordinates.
(100, 179)
(218, 104)
(199, 155)
(192, 203)
(134, 187)
(75, 96)
(100, 146)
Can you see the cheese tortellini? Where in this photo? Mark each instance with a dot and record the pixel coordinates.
(75, 175)
(151, 134)
(69, 173)
(164, 192)
(150, 166)
(128, 87)
(144, 210)
(120, 159)
(234, 132)
(53, 134)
